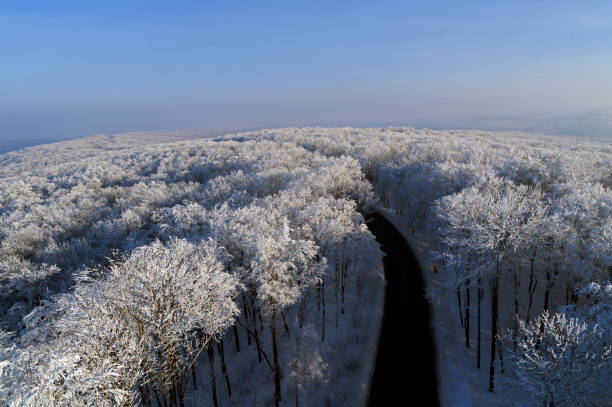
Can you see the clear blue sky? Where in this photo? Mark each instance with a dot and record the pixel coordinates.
(75, 67)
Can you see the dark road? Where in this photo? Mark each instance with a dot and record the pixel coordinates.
(405, 371)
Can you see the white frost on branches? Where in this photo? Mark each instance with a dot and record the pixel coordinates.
(563, 361)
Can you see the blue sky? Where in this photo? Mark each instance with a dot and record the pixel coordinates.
(73, 68)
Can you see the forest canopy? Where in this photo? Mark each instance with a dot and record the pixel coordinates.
(165, 249)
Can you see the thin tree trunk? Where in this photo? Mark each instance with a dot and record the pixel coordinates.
(515, 325)
(494, 304)
(193, 376)
(297, 374)
(480, 293)
(500, 352)
(547, 291)
(163, 397)
(152, 379)
(255, 332)
(224, 368)
(171, 377)
(249, 332)
(180, 390)
(285, 323)
(343, 283)
(261, 324)
(144, 395)
(337, 290)
(355, 270)
(345, 265)
(467, 314)
(277, 375)
(160, 375)
(533, 283)
(319, 296)
(550, 282)
(301, 314)
(323, 309)
(213, 381)
(459, 306)
(236, 339)
(246, 316)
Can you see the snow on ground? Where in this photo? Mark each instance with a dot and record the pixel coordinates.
(345, 360)
(461, 384)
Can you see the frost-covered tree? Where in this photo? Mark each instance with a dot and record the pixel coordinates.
(131, 333)
(492, 221)
(269, 199)
(563, 361)
(282, 269)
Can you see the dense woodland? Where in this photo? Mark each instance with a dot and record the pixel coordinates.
(127, 265)
(126, 270)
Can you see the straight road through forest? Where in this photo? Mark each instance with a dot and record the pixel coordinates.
(405, 370)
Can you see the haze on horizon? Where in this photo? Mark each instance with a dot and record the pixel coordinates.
(72, 68)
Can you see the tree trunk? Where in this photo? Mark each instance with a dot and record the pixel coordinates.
(161, 379)
(515, 325)
(236, 340)
(277, 374)
(193, 376)
(533, 283)
(319, 296)
(180, 390)
(500, 353)
(494, 304)
(261, 324)
(467, 314)
(152, 380)
(478, 333)
(323, 309)
(337, 290)
(550, 282)
(255, 332)
(301, 313)
(170, 362)
(547, 291)
(297, 374)
(224, 368)
(345, 265)
(245, 309)
(285, 323)
(343, 284)
(144, 394)
(213, 382)
(459, 306)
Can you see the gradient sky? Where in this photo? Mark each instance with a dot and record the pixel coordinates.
(76, 67)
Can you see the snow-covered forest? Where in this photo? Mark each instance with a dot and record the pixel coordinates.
(239, 270)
